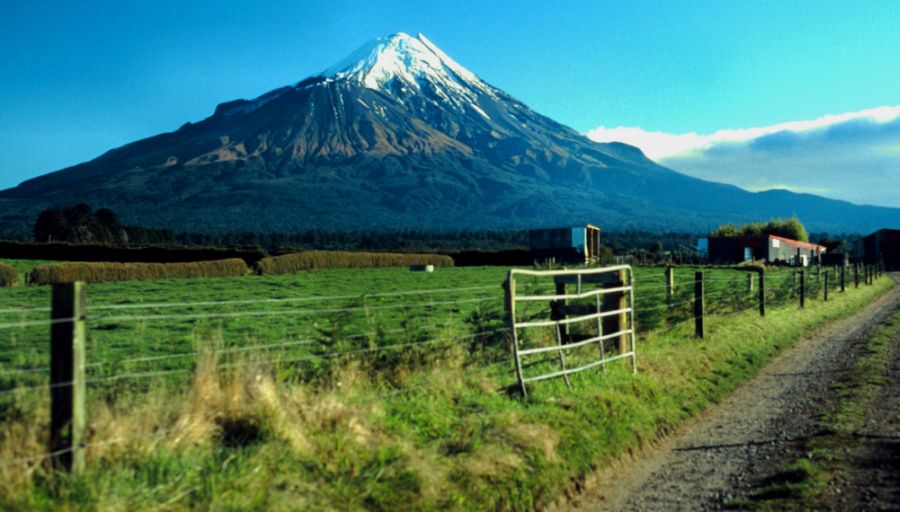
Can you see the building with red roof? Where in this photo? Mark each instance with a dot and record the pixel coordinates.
(767, 248)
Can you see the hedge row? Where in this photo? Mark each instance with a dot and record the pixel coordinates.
(310, 260)
(101, 272)
(8, 275)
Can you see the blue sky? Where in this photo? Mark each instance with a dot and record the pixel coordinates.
(78, 78)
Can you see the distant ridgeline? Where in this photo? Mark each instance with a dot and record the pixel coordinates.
(80, 224)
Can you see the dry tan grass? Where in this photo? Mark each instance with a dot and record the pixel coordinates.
(490, 461)
(531, 435)
(248, 396)
(93, 272)
(310, 260)
(331, 425)
(8, 275)
(24, 442)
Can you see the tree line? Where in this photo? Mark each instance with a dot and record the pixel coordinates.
(788, 228)
(81, 224)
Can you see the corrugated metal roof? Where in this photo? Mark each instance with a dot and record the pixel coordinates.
(797, 242)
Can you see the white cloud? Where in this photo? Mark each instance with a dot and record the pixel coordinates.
(662, 145)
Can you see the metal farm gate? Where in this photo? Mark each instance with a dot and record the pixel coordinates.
(592, 325)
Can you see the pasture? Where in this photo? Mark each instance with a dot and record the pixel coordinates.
(136, 327)
(381, 388)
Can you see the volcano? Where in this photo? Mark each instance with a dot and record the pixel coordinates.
(399, 135)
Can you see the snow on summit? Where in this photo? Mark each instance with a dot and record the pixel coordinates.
(411, 60)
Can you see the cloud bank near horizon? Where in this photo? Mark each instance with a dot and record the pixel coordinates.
(853, 156)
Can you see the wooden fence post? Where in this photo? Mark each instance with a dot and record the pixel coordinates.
(670, 284)
(843, 277)
(802, 288)
(749, 283)
(67, 386)
(856, 275)
(826, 286)
(617, 301)
(698, 305)
(762, 292)
(623, 317)
(507, 300)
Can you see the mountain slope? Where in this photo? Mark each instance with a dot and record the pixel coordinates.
(400, 135)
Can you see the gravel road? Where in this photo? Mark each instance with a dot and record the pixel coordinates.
(874, 454)
(740, 442)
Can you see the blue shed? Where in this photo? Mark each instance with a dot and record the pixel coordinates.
(577, 244)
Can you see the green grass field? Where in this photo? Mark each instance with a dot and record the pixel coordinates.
(143, 326)
(347, 389)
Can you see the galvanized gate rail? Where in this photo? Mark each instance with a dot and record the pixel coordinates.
(616, 283)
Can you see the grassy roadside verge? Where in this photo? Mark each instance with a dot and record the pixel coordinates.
(456, 440)
(803, 484)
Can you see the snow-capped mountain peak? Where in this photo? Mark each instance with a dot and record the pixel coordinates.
(407, 59)
(397, 135)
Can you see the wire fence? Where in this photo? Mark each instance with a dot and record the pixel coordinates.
(314, 337)
(657, 307)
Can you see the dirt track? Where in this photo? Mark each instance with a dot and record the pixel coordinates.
(874, 454)
(742, 441)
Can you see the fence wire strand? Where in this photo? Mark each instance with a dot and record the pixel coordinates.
(306, 357)
(324, 298)
(240, 314)
(15, 311)
(36, 323)
(285, 343)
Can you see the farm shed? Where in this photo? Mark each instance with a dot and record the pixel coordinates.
(769, 248)
(882, 246)
(840, 259)
(578, 244)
